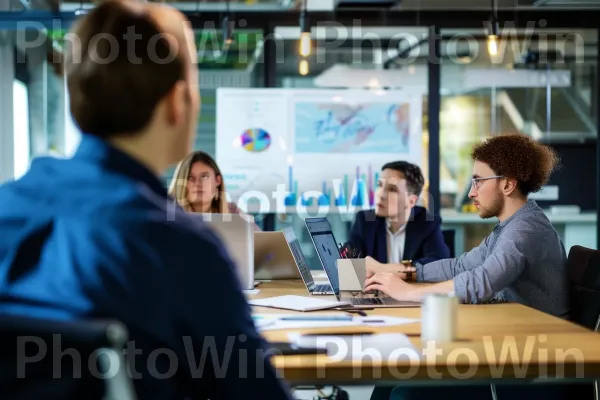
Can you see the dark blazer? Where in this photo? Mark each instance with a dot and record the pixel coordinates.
(424, 241)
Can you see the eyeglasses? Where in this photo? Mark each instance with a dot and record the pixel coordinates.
(476, 182)
(201, 178)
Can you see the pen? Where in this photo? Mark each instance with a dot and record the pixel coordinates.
(317, 318)
(375, 321)
(342, 250)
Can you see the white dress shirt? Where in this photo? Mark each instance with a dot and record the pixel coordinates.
(395, 244)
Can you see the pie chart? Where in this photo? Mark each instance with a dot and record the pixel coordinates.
(255, 140)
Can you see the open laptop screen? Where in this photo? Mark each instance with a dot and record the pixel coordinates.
(327, 249)
(294, 245)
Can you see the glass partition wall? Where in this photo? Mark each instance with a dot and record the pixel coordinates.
(536, 83)
(542, 84)
(37, 94)
(539, 84)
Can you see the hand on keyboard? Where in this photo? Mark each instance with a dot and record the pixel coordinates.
(373, 267)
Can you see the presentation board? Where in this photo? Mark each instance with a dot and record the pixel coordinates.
(290, 147)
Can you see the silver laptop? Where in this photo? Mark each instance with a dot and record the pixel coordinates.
(322, 237)
(273, 258)
(303, 268)
(237, 233)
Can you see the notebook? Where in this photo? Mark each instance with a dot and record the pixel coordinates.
(297, 303)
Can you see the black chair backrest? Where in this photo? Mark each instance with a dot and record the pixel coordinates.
(449, 240)
(42, 358)
(584, 275)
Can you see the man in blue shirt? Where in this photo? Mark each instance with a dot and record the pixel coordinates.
(96, 236)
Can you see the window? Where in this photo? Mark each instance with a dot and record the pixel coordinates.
(20, 129)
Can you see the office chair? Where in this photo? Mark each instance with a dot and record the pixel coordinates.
(583, 268)
(584, 275)
(42, 358)
(449, 240)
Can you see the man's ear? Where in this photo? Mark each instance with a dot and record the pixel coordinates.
(412, 200)
(177, 100)
(509, 186)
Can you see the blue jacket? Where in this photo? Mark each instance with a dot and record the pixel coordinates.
(97, 236)
(424, 241)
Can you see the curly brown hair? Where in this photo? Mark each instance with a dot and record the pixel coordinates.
(519, 157)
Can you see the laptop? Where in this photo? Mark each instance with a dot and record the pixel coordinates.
(303, 268)
(273, 258)
(237, 233)
(324, 241)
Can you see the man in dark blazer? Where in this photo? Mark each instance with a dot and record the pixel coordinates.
(397, 229)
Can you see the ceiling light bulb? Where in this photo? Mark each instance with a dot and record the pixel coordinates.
(492, 45)
(303, 67)
(304, 47)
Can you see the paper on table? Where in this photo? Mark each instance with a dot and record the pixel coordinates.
(276, 322)
(252, 291)
(297, 303)
(307, 324)
(390, 347)
(260, 324)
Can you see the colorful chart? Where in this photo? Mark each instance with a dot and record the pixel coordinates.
(361, 192)
(255, 139)
(352, 128)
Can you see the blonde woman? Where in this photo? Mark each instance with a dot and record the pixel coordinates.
(198, 186)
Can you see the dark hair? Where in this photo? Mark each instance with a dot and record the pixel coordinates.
(519, 157)
(114, 84)
(412, 173)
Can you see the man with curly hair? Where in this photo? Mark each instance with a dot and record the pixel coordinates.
(523, 260)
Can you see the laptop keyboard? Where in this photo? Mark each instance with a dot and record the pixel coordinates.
(323, 288)
(366, 301)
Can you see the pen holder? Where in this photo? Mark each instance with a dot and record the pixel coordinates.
(352, 273)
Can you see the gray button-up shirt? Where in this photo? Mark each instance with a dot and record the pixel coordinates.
(523, 260)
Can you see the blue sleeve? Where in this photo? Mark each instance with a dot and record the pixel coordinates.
(434, 247)
(216, 317)
(499, 270)
(185, 291)
(448, 268)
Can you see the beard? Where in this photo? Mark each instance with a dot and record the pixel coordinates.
(494, 209)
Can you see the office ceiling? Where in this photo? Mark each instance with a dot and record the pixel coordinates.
(501, 4)
(285, 5)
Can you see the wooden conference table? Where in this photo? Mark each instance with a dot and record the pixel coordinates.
(495, 341)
